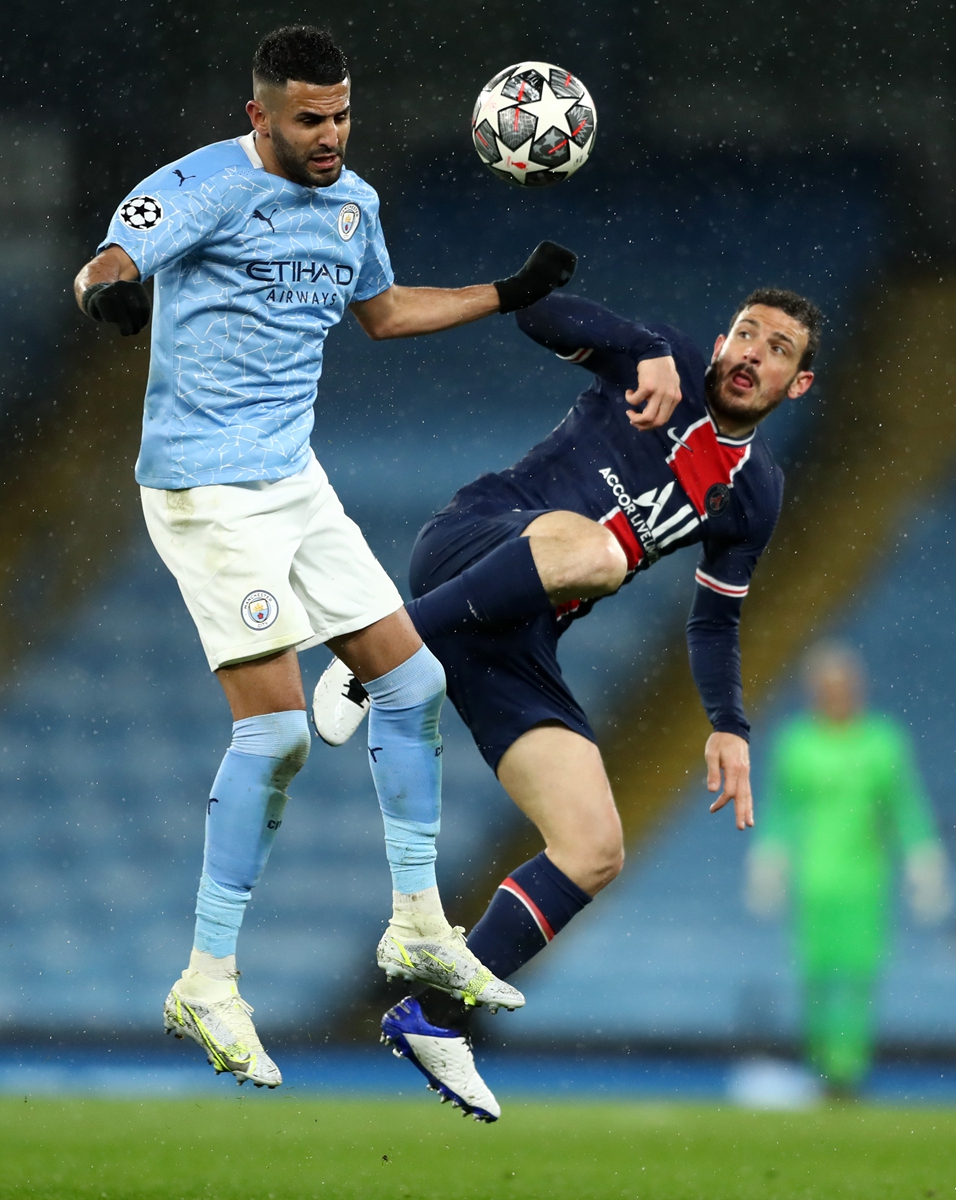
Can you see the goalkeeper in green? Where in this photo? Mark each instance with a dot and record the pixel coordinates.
(844, 794)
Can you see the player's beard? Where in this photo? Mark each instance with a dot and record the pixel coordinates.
(737, 408)
(296, 164)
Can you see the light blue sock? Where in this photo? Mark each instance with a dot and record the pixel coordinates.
(404, 748)
(243, 814)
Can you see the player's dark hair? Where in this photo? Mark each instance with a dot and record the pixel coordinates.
(304, 53)
(796, 306)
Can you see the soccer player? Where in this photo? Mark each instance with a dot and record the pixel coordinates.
(845, 793)
(501, 573)
(258, 245)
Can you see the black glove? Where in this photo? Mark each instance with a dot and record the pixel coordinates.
(124, 303)
(550, 266)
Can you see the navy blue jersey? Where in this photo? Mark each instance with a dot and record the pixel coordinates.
(657, 490)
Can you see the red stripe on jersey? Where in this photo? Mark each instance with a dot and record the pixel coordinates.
(716, 585)
(700, 459)
(620, 526)
(569, 606)
(542, 922)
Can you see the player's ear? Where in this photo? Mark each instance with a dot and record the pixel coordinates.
(718, 346)
(257, 115)
(800, 384)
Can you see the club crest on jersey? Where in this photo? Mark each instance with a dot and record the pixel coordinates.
(349, 216)
(142, 213)
(717, 498)
(260, 609)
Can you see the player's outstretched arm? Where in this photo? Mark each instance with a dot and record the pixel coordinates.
(108, 289)
(728, 756)
(407, 312)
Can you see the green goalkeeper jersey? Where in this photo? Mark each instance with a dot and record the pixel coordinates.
(842, 796)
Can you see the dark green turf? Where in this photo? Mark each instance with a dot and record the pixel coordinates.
(279, 1147)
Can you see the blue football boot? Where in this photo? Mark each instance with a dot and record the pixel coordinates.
(443, 1056)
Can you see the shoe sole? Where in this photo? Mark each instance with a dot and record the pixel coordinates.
(401, 1049)
(193, 1029)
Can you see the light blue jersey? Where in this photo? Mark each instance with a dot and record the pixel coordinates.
(251, 272)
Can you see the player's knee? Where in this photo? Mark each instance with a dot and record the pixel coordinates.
(595, 565)
(419, 680)
(418, 683)
(607, 862)
(432, 675)
(595, 859)
(292, 742)
(603, 564)
(295, 752)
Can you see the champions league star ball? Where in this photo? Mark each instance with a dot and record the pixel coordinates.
(534, 124)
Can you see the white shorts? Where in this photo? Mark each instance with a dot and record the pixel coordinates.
(267, 565)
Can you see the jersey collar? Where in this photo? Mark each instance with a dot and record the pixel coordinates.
(248, 143)
(726, 440)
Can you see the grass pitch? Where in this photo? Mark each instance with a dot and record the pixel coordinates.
(288, 1148)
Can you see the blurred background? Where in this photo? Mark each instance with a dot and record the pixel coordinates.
(809, 145)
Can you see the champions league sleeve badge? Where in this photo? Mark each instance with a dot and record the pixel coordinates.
(349, 217)
(142, 213)
(260, 609)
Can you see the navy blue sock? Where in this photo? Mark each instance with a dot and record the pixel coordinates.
(502, 588)
(533, 904)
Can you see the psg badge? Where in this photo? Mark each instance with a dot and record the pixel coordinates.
(717, 498)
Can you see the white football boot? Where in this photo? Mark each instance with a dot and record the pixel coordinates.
(339, 704)
(212, 1013)
(439, 956)
(443, 1056)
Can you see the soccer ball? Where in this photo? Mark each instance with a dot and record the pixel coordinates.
(534, 124)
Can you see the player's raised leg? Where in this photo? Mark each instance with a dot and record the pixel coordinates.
(406, 687)
(560, 557)
(270, 743)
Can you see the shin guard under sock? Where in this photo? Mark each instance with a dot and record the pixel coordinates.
(502, 588)
(243, 815)
(404, 748)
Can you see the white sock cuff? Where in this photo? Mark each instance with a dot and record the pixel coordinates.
(426, 903)
(212, 967)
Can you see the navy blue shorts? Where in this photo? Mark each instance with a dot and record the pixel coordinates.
(505, 681)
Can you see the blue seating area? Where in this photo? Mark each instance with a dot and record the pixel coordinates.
(111, 732)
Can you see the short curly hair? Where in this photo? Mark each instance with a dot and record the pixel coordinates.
(304, 53)
(794, 305)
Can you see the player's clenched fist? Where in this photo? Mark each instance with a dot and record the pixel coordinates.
(658, 390)
(124, 303)
(550, 266)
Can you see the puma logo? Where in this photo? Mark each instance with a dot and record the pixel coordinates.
(268, 219)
